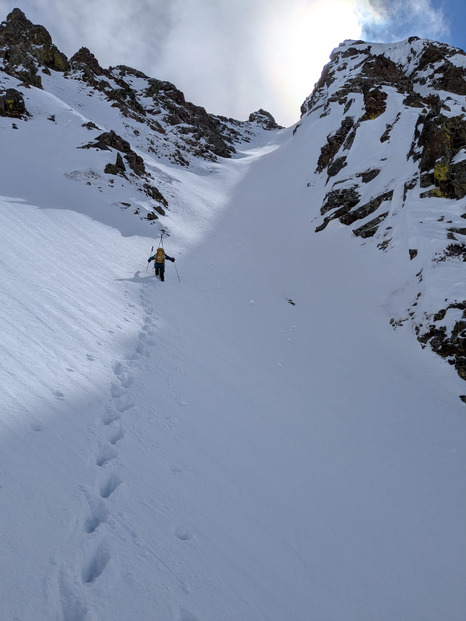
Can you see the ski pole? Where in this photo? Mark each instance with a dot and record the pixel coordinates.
(176, 269)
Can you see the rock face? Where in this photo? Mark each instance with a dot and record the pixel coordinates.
(396, 142)
(24, 47)
(85, 60)
(264, 119)
(451, 345)
(440, 140)
(184, 128)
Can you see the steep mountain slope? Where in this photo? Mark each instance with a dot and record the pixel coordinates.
(255, 441)
(133, 122)
(393, 167)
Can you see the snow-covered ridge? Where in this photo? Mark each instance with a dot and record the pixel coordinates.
(391, 164)
(141, 123)
(180, 131)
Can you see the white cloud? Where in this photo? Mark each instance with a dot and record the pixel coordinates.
(230, 56)
(390, 20)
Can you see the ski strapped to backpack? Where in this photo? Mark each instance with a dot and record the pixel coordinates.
(159, 257)
(151, 251)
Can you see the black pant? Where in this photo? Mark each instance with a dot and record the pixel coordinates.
(160, 270)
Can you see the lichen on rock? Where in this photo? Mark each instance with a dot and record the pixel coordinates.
(12, 104)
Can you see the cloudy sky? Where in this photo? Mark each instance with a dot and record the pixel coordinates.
(236, 56)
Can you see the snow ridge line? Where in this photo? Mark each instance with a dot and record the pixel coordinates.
(92, 534)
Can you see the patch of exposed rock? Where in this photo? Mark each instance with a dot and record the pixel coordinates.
(111, 140)
(264, 119)
(439, 140)
(451, 344)
(335, 142)
(12, 104)
(85, 61)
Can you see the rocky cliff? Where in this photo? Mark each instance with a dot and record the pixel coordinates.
(393, 168)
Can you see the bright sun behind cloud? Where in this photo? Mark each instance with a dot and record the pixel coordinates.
(299, 42)
(233, 56)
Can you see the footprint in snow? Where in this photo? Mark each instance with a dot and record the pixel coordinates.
(73, 604)
(106, 454)
(116, 436)
(98, 512)
(117, 391)
(58, 395)
(122, 373)
(109, 485)
(110, 416)
(140, 347)
(123, 404)
(95, 566)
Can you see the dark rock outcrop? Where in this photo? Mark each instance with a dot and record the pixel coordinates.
(111, 140)
(365, 210)
(370, 228)
(450, 345)
(264, 119)
(334, 143)
(368, 175)
(440, 139)
(340, 202)
(374, 103)
(116, 169)
(26, 47)
(85, 60)
(157, 195)
(12, 104)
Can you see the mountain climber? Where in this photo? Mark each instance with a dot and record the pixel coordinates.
(159, 262)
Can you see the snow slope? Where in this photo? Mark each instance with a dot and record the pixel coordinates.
(204, 449)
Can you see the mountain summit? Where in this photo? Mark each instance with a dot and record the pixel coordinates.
(26, 48)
